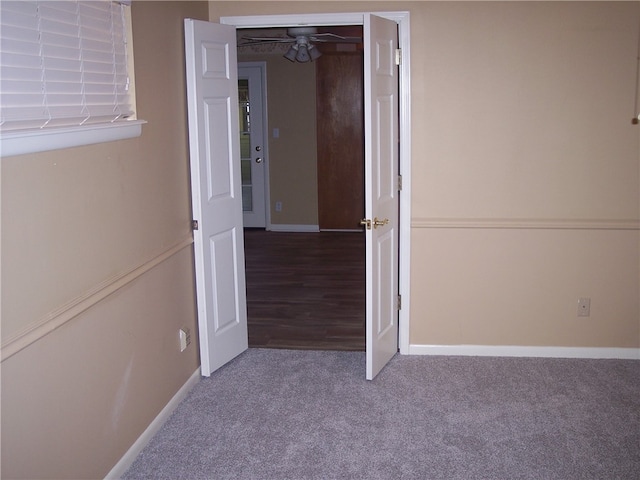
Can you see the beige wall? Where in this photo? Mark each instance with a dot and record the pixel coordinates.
(525, 197)
(525, 169)
(76, 224)
(291, 94)
(527, 122)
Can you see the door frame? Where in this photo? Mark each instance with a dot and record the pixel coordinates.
(402, 18)
(265, 138)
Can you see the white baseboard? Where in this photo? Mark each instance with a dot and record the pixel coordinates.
(125, 462)
(523, 351)
(281, 227)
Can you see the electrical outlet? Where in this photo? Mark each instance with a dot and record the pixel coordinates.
(185, 338)
(584, 307)
(278, 206)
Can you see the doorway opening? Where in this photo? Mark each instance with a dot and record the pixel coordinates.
(220, 283)
(307, 290)
(219, 254)
(402, 18)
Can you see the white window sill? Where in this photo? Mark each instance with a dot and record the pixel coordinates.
(19, 143)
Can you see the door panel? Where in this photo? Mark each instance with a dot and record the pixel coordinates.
(212, 95)
(381, 190)
(339, 94)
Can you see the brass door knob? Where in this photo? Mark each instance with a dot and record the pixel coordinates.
(379, 223)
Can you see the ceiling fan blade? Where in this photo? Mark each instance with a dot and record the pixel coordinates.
(268, 39)
(332, 37)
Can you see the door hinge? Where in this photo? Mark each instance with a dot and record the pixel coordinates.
(194, 225)
(399, 183)
(399, 302)
(398, 56)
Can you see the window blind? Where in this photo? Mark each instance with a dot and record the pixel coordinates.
(62, 63)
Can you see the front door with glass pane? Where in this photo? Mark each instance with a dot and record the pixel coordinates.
(253, 150)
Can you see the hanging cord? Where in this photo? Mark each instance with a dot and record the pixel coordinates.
(636, 114)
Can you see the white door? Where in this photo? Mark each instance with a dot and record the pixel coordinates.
(212, 97)
(253, 150)
(381, 190)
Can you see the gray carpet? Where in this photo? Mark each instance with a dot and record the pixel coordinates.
(282, 414)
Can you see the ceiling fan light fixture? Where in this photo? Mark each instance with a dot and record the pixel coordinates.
(303, 54)
(291, 53)
(314, 53)
(302, 51)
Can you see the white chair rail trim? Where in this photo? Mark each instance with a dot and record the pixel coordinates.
(528, 223)
(75, 307)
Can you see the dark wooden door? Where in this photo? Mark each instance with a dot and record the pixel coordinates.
(340, 140)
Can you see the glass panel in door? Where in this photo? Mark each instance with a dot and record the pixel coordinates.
(245, 145)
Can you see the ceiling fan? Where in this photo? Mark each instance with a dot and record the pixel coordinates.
(302, 39)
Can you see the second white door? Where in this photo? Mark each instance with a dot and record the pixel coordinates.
(381, 190)
(253, 148)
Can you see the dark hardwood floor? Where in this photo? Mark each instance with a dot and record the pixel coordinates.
(305, 290)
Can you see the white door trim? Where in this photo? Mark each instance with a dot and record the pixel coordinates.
(403, 21)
